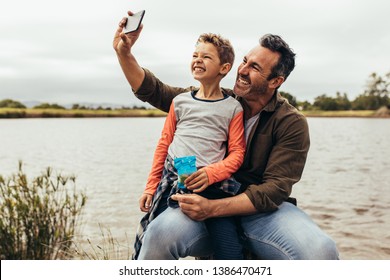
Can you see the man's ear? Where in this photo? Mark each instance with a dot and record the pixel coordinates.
(225, 68)
(276, 82)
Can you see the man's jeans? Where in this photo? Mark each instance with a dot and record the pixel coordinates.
(287, 233)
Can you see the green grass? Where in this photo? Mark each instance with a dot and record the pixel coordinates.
(349, 113)
(38, 216)
(107, 248)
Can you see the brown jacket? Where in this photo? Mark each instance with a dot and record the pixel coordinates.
(276, 150)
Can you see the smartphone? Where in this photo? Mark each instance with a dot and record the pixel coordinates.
(134, 22)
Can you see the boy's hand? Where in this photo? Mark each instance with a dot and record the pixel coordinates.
(197, 181)
(145, 202)
(122, 42)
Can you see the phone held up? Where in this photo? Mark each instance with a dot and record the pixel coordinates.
(134, 22)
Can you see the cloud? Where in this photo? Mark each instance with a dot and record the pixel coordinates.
(61, 51)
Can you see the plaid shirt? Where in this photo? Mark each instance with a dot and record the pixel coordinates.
(169, 183)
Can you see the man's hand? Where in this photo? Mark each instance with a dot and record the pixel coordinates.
(145, 202)
(122, 42)
(194, 206)
(197, 181)
(199, 208)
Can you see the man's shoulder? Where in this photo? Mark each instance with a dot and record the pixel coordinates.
(227, 91)
(289, 121)
(286, 109)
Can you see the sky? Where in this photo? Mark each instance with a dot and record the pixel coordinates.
(61, 51)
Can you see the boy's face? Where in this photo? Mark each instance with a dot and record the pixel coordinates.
(205, 64)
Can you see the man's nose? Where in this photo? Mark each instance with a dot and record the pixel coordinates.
(243, 69)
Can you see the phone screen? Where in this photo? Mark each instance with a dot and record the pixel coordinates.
(134, 22)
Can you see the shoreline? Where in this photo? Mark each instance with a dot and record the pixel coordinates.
(11, 113)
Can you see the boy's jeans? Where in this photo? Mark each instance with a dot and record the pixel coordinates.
(287, 233)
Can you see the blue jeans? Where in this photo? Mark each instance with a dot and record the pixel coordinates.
(224, 234)
(287, 233)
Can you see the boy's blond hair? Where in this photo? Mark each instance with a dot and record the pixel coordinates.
(224, 47)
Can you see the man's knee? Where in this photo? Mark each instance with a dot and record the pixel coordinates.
(326, 249)
(174, 236)
(171, 225)
(318, 247)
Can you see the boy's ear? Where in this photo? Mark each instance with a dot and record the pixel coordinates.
(225, 68)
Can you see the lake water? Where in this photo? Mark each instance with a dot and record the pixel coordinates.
(345, 187)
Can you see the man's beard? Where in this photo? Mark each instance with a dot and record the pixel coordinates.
(253, 90)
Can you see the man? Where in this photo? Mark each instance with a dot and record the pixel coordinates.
(277, 145)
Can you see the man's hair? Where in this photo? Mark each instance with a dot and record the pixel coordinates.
(286, 61)
(224, 47)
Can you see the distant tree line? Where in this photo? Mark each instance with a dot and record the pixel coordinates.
(83, 107)
(9, 103)
(375, 95)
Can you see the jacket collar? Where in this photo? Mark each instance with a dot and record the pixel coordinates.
(274, 103)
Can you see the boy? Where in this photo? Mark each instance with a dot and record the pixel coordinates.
(207, 124)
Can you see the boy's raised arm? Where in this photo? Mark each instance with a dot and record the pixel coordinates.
(122, 44)
(144, 84)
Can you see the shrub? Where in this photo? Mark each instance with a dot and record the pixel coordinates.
(38, 217)
(9, 103)
(49, 106)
